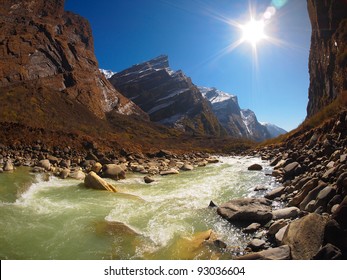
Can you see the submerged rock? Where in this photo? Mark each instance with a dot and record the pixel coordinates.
(246, 210)
(148, 179)
(93, 181)
(171, 171)
(114, 228)
(255, 167)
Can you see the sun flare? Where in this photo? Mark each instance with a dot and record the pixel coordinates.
(253, 31)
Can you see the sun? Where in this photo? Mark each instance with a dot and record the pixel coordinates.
(253, 32)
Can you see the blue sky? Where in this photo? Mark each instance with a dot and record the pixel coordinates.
(197, 35)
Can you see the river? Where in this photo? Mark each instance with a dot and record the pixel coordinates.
(50, 218)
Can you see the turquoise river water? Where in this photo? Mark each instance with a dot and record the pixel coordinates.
(61, 219)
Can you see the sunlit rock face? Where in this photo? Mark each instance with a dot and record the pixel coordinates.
(238, 122)
(328, 54)
(169, 97)
(44, 49)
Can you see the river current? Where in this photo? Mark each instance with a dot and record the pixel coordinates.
(50, 218)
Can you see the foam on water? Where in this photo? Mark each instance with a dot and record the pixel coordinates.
(173, 207)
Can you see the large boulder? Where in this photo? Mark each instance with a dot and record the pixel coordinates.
(45, 164)
(305, 236)
(246, 211)
(113, 171)
(291, 170)
(93, 181)
(8, 166)
(77, 175)
(286, 213)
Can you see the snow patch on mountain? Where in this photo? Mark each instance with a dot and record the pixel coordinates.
(108, 73)
(274, 130)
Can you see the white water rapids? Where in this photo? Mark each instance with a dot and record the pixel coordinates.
(61, 219)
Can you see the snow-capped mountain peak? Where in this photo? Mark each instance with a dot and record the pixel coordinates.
(216, 96)
(108, 73)
(274, 130)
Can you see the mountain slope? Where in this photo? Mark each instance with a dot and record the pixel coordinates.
(47, 58)
(274, 130)
(237, 122)
(169, 97)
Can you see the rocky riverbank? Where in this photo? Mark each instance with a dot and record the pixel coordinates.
(93, 164)
(312, 169)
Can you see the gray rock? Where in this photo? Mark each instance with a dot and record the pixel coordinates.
(312, 195)
(8, 166)
(256, 244)
(329, 173)
(255, 167)
(93, 181)
(305, 236)
(324, 197)
(77, 175)
(171, 171)
(212, 204)
(148, 179)
(286, 213)
(329, 252)
(252, 228)
(96, 167)
(334, 208)
(45, 164)
(275, 193)
(65, 163)
(113, 171)
(279, 253)
(276, 226)
(212, 160)
(275, 161)
(246, 210)
(341, 183)
(291, 170)
(260, 188)
(53, 159)
(64, 173)
(187, 167)
(279, 235)
(37, 169)
(311, 184)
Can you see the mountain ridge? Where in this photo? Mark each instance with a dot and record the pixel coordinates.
(157, 89)
(169, 97)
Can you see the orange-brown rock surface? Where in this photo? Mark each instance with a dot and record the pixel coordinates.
(328, 54)
(47, 63)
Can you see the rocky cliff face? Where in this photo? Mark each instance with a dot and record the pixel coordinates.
(328, 54)
(46, 51)
(169, 97)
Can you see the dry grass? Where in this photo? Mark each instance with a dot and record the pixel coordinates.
(316, 120)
